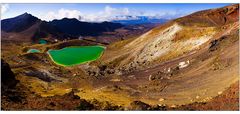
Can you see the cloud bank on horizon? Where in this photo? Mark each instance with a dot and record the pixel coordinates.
(105, 13)
(108, 14)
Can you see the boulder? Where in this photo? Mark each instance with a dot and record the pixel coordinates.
(139, 105)
(8, 79)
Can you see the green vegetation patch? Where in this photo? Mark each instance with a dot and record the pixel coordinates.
(75, 55)
(33, 51)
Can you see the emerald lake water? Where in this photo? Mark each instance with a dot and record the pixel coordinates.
(33, 51)
(75, 55)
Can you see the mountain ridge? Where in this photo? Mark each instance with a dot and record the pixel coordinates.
(141, 20)
(85, 28)
(59, 29)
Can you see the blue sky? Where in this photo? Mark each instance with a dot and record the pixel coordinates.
(103, 12)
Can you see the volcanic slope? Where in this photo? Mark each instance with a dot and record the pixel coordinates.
(172, 39)
(176, 63)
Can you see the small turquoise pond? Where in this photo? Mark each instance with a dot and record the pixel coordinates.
(33, 51)
(42, 41)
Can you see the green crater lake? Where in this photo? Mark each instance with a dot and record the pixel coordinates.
(33, 51)
(75, 55)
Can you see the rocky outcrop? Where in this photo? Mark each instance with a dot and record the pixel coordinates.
(138, 105)
(8, 84)
(8, 79)
(42, 74)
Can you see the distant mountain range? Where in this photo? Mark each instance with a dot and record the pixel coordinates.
(27, 27)
(130, 20)
(75, 27)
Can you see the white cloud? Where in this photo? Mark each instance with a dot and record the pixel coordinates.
(62, 13)
(109, 13)
(4, 8)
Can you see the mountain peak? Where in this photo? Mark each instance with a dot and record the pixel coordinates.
(19, 23)
(27, 15)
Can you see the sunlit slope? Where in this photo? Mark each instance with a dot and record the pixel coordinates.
(207, 41)
(170, 40)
